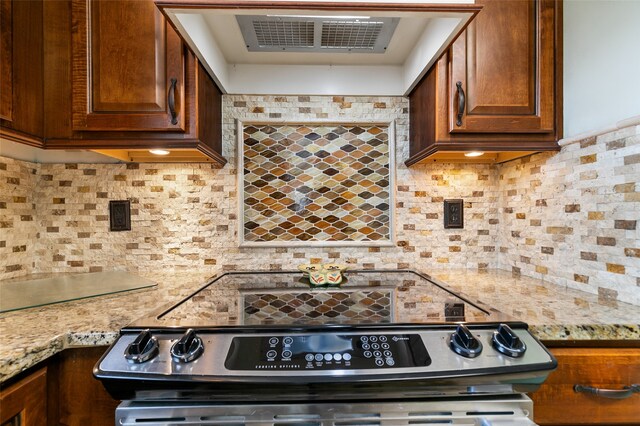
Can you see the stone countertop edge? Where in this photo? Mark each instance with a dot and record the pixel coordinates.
(30, 336)
(552, 312)
(569, 315)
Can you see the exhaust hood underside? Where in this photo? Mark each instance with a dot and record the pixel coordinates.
(328, 48)
(283, 33)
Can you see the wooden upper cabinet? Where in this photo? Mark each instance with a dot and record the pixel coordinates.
(497, 89)
(6, 70)
(107, 75)
(21, 80)
(504, 65)
(127, 67)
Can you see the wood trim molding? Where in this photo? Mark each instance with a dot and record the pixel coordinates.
(316, 5)
(21, 137)
(503, 152)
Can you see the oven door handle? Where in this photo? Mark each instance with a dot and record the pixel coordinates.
(623, 393)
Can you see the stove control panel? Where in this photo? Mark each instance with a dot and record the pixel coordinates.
(314, 356)
(326, 352)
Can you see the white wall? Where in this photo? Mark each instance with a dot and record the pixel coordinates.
(601, 63)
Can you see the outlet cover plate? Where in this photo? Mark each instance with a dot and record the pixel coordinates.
(453, 214)
(120, 215)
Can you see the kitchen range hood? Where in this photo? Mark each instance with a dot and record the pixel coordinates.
(319, 34)
(374, 48)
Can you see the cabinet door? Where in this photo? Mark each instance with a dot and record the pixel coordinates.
(25, 403)
(557, 403)
(504, 64)
(6, 70)
(81, 399)
(127, 68)
(21, 75)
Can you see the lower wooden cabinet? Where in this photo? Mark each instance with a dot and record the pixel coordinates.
(63, 393)
(557, 403)
(79, 399)
(25, 403)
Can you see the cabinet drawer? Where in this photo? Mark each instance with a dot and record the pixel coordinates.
(556, 402)
(25, 402)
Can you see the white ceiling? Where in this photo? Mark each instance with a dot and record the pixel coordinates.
(225, 29)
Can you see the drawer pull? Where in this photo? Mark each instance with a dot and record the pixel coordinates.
(460, 103)
(172, 101)
(623, 393)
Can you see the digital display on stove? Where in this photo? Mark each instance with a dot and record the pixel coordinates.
(326, 352)
(321, 343)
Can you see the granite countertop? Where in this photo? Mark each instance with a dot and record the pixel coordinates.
(553, 313)
(30, 336)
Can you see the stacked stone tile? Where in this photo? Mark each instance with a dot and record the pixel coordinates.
(568, 217)
(19, 227)
(572, 217)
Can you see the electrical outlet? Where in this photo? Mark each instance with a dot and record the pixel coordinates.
(454, 311)
(453, 214)
(120, 215)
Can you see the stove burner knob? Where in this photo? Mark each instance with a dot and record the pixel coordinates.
(143, 348)
(464, 343)
(188, 348)
(507, 342)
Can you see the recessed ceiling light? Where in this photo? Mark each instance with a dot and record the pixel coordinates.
(473, 154)
(159, 151)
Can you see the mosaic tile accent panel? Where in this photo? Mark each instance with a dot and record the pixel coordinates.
(314, 307)
(310, 183)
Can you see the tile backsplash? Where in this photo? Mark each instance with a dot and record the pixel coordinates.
(19, 226)
(572, 217)
(315, 183)
(567, 217)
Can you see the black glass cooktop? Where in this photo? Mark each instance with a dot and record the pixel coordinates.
(287, 299)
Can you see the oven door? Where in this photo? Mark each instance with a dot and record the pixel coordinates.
(513, 410)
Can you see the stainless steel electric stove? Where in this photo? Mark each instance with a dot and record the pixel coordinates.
(384, 348)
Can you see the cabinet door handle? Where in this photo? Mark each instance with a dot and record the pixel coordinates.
(460, 103)
(623, 393)
(172, 101)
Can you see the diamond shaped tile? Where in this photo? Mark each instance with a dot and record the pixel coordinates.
(316, 183)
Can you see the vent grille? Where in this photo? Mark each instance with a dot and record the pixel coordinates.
(316, 34)
(465, 411)
(284, 33)
(350, 34)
